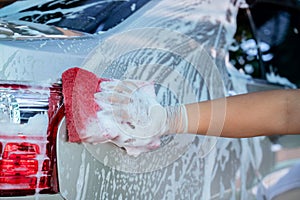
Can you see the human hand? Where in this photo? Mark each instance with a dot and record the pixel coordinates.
(132, 117)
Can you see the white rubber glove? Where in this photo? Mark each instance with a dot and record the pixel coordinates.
(135, 118)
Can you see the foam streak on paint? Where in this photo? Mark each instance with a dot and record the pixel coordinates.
(81, 177)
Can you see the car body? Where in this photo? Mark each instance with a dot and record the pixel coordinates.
(203, 167)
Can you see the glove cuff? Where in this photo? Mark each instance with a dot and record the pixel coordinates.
(177, 120)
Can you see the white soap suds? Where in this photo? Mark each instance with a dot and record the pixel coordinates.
(36, 126)
(109, 128)
(277, 79)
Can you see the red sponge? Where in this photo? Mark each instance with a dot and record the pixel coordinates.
(79, 87)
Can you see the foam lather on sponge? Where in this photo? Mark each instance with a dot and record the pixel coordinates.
(87, 121)
(79, 87)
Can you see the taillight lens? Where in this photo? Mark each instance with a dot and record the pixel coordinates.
(29, 117)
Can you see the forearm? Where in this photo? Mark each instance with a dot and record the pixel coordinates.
(253, 114)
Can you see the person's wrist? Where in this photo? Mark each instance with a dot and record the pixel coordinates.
(176, 119)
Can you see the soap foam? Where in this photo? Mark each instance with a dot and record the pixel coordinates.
(119, 135)
(36, 126)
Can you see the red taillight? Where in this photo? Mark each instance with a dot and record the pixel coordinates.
(24, 163)
(28, 159)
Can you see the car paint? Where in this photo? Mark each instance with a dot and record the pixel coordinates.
(227, 171)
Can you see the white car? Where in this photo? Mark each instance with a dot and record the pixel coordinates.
(180, 45)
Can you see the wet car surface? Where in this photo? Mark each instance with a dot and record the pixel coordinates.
(203, 167)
